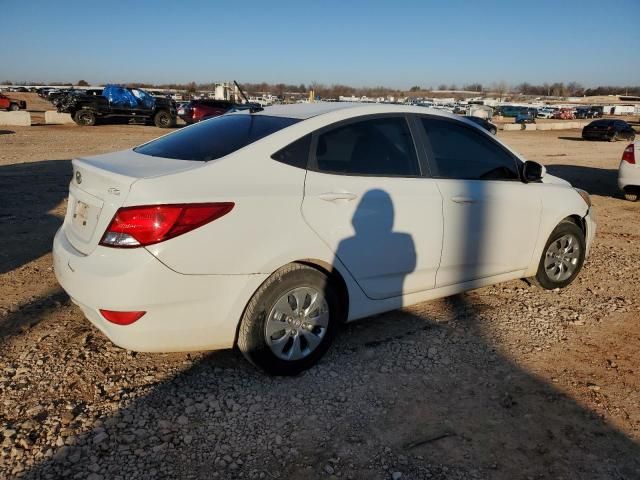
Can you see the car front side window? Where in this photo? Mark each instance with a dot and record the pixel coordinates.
(459, 152)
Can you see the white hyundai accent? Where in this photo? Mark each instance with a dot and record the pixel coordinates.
(629, 172)
(267, 229)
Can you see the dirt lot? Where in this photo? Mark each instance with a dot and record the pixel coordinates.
(505, 382)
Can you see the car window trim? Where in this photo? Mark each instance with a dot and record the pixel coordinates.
(312, 164)
(429, 150)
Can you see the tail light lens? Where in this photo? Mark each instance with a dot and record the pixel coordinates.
(145, 225)
(121, 318)
(629, 155)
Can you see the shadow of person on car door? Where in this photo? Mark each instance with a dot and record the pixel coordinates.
(377, 257)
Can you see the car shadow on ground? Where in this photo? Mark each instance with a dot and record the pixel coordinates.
(6, 132)
(573, 139)
(596, 181)
(459, 409)
(28, 194)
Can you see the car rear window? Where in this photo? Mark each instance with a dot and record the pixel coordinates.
(215, 138)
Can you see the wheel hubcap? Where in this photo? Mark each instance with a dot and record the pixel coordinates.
(561, 258)
(297, 323)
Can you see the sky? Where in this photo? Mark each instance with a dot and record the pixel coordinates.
(395, 43)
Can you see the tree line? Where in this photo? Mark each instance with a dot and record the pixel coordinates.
(321, 90)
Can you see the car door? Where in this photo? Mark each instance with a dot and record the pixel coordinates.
(367, 198)
(491, 218)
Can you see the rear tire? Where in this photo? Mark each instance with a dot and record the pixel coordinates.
(276, 335)
(562, 257)
(632, 194)
(14, 107)
(162, 119)
(84, 118)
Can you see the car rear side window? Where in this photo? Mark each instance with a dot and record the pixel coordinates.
(459, 152)
(379, 146)
(215, 138)
(295, 154)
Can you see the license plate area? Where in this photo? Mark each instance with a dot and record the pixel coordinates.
(81, 215)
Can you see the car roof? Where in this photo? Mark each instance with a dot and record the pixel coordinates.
(303, 111)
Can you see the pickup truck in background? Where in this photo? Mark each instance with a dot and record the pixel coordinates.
(117, 102)
(11, 105)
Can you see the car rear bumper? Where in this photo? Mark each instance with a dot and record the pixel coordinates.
(184, 312)
(628, 175)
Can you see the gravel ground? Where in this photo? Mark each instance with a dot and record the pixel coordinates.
(504, 382)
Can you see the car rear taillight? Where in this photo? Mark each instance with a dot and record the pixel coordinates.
(145, 225)
(629, 155)
(121, 318)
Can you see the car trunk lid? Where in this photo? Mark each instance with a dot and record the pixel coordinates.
(100, 186)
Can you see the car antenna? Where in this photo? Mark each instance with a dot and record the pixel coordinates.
(252, 108)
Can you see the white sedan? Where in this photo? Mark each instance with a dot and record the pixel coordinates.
(629, 172)
(266, 229)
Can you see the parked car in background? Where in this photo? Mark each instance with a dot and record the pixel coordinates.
(10, 104)
(347, 211)
(564, 113)
(629, 172)
(545, 112)
(198, 110)
(484, 123)
(610, 130)
(526, 116)
(587, 112)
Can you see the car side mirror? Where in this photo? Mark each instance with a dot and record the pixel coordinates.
(533, 171)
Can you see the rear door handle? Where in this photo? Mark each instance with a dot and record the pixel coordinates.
(336, 196)
(463, 200)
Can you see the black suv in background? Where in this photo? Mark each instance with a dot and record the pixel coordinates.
(588, 112)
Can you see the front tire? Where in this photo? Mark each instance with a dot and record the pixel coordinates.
(14, 107)
(84, 118)
(562, 257)
(290, 321)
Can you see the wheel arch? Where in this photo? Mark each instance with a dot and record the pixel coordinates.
(579, 221)
(333, 274)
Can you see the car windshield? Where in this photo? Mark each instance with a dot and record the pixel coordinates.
(215, 138)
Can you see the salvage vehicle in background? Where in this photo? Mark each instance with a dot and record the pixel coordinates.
(267, 229)
(564, 113)
(610, 130)
(629, 172)
(588, 112)
(526, 116)
(10, 104)
(546, 112)
(198, 110)
(116, 102)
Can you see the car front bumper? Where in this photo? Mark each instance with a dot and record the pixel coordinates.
(184, 312)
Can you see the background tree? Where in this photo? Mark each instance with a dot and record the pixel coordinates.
(83, 83)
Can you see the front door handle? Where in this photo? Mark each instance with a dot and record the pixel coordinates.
(463, 200)
(335, 196)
